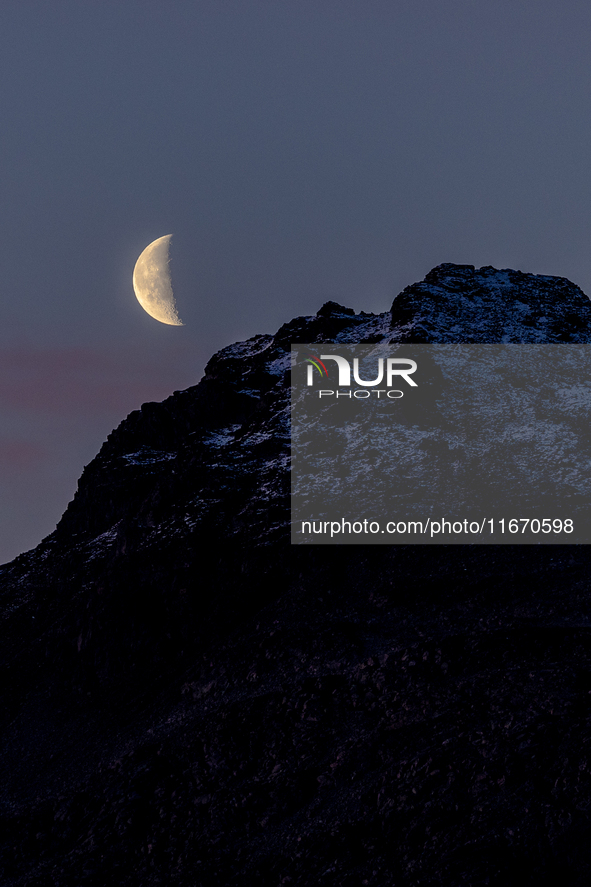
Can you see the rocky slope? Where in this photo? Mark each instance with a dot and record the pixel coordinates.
(187, 699)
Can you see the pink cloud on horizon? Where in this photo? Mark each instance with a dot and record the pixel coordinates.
(70, 381)
(20, 455)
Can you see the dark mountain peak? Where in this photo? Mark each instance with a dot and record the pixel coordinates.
(459, 303)
(153, 466)
(330, 308)
(449, 270)
(190, 699)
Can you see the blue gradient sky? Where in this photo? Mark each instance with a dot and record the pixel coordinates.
(298, 151)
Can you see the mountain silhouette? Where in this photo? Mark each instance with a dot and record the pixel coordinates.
(189, 699)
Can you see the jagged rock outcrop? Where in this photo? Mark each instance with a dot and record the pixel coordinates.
(458, 303)
(189, 699)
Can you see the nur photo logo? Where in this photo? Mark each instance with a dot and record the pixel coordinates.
(388, 370)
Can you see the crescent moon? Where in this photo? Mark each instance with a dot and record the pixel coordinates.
(151, 282)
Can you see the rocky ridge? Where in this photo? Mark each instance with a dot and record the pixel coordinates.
(188, 699)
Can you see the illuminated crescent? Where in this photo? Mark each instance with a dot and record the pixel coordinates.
(151, 282)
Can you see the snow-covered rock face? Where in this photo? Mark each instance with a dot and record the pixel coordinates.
(216, 456)
(179, 481)
(458, 303)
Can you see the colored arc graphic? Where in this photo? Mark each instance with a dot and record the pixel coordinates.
(315, 361)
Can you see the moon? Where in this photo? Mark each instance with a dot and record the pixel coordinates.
(151, 282)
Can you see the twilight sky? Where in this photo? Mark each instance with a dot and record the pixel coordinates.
(297, 151)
